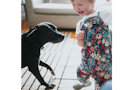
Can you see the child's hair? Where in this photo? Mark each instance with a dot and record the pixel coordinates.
(89, 0)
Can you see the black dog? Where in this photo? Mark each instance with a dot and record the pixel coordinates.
(31, 43)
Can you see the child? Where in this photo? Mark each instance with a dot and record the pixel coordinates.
(92, 34)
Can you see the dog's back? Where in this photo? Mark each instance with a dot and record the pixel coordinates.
(24, 50)
(28, 52)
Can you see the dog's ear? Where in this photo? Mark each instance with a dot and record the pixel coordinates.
(28, 33)
(31, 32)
(52, 26)
(42, 31)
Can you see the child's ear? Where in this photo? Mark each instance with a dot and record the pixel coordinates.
(94, 1)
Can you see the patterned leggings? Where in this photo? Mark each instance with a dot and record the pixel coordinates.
(89, 68)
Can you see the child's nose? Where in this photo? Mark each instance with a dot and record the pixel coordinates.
(77, 9)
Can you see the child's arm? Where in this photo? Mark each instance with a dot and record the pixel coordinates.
(79, 38)
(80, 43)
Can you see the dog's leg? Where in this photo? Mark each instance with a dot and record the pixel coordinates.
(37, 74)
(47, 66)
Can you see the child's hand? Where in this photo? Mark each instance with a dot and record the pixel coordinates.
(80, 36)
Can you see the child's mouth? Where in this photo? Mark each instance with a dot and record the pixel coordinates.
(80, 12)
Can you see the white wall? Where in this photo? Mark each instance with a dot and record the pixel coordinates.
(23, 16)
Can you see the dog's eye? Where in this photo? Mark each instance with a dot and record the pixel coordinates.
(50, 33)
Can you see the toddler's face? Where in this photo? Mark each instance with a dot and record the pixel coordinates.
(82, 7)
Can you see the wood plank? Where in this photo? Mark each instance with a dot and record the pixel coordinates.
(66, 85)
(25, 78)
(24, 26)
(70, 73)
(23, 71)
(73, 62)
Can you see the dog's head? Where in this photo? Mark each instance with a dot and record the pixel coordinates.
(44, 32)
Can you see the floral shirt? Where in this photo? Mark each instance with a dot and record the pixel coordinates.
(97, 52)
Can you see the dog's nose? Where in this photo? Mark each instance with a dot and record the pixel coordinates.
(63, 35)
(59, 37)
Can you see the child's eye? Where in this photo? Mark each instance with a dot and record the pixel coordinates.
(73, 4)
(80, 4)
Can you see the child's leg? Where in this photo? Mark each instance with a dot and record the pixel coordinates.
(83, 76)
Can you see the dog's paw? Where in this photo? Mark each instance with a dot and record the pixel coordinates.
(52, 72)
(50, 86)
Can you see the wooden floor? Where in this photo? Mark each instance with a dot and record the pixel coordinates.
(64, 58)
(24, 26)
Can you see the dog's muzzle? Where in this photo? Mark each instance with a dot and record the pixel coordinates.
(58, 37)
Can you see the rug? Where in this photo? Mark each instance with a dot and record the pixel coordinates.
(73, 35)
